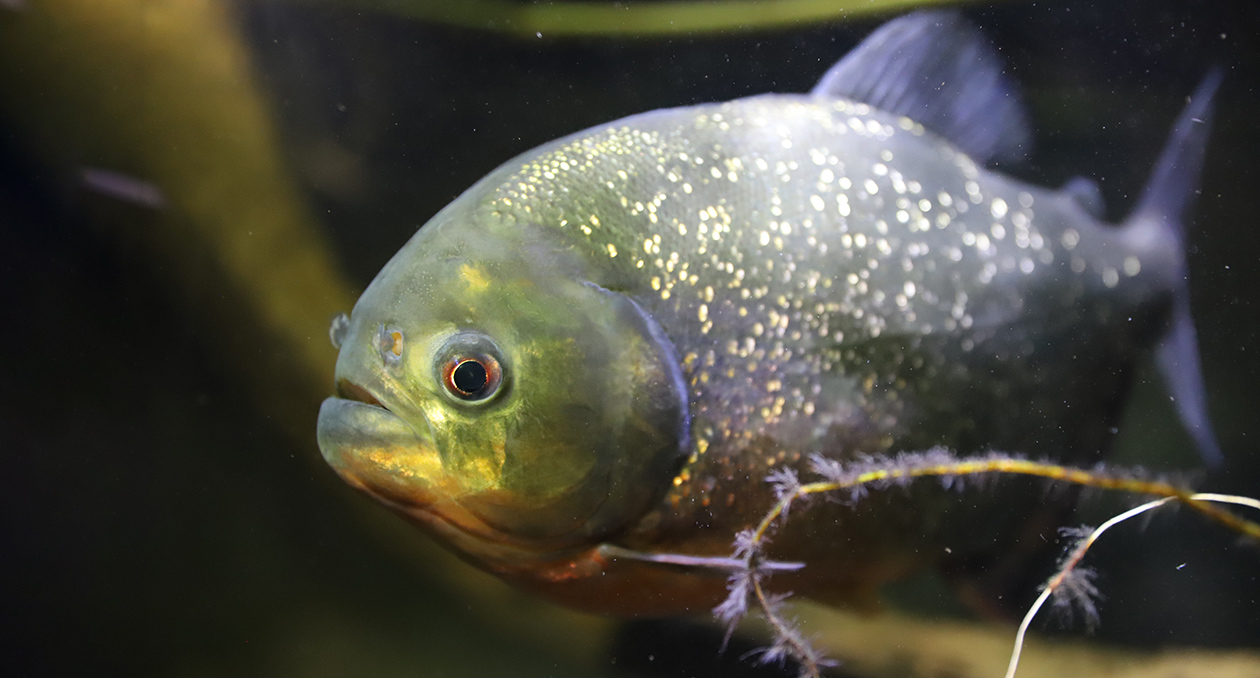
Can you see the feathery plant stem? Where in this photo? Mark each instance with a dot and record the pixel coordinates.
(793, 644)
(1068, 566)
(1068, 581)
(1010, 465)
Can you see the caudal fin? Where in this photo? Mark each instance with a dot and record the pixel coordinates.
(1161, 212)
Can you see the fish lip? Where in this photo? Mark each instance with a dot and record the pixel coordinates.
(354, 421)
(424, 504)
(365, 443)
(348, 390)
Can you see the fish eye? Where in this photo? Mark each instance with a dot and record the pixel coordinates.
(473, 377)
(469, 368)
(470, 376)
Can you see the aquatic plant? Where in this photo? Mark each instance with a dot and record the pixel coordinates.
(588, 19)
(1070, 587)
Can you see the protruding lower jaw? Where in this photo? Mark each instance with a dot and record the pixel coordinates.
(378, 452)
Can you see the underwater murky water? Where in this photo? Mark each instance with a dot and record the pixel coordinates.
(164, 506)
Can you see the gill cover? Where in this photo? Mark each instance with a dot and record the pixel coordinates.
(593, 423)
(502, 401)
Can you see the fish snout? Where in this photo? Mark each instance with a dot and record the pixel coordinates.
(376, 450)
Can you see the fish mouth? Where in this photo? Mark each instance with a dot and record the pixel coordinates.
(381, 454)
(348, 390)
(376, 450)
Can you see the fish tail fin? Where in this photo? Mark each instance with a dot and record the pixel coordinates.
(1160, 217)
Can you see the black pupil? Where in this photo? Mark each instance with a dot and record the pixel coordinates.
(469, 377)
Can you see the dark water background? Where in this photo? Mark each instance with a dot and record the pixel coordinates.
(157, 521)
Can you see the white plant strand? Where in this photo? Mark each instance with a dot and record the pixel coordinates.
(1078, 552)
(1070, 586)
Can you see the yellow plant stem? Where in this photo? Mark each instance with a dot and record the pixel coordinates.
(1066, 474)
(904, 470)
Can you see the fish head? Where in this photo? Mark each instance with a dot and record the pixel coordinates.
(488, 389)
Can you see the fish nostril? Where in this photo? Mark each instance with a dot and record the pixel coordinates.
(352, 391)
(390, 344)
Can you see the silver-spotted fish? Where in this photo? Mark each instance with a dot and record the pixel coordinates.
(597, 353)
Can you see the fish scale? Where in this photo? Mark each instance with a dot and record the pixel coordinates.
(808, 237)
(582, 371)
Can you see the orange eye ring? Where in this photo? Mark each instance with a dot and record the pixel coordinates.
(472, 376)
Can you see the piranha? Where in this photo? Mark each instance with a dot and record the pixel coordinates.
(579, 374)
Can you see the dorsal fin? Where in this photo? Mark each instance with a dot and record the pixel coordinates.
(940, 71)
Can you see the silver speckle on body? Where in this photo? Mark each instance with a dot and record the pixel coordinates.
(776, 239)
